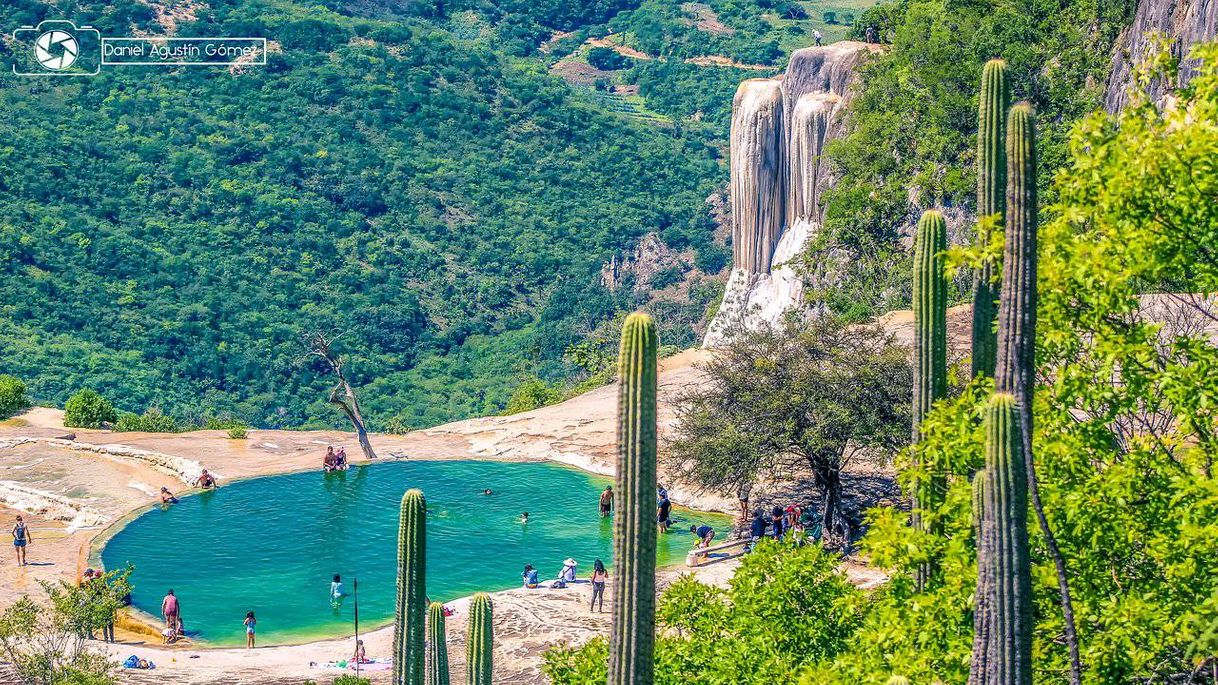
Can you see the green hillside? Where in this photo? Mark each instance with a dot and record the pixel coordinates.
(411, 177)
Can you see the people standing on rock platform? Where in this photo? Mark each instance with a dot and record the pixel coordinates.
(606, 501)
(599, 576)
(742, 494)
(171, 610)
(818, 36)
(21, 540)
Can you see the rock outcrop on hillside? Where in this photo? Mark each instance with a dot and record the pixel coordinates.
(1184, 22)
(778, 173)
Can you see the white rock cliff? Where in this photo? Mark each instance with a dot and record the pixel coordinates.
(778, 173)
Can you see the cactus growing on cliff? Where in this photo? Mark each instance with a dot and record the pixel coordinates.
(437, 646)
(930, 349)
(632, 641)
(411, 610)
(991, 189)
(480, 644)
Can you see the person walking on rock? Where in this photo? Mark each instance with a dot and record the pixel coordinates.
(171, 610)
(818, 36)
(21, 540)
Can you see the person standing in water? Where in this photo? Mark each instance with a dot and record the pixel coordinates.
(21, 540)
(250, 622)
(172, 611)
(336, 589)
(663, 511)
(606, 501)
(206, 481)
(599, 576)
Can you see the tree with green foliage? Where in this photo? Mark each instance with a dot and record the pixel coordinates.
(607, 59)
(12, 396)
(45, 641)
(87, 409)
(784, 608)
(792, 400)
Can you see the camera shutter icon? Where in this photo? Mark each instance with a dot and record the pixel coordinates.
(56, 50)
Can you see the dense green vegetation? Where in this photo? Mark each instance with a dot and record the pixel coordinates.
(915, 119)
(169, 235)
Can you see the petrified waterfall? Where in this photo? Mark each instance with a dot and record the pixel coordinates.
(778, 173)
(758, 185)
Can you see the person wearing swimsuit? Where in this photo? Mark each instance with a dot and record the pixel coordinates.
(599, 576)
(21, 539)
(250, 622)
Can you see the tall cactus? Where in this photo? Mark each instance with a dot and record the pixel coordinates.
(1007, 569)
(632, 641)
(437, 646)
(1003, 568)
(411, 610)
(930, 350)
(991, 186)
(480, 643)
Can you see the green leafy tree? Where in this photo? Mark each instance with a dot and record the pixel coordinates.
(87, 409)
(12, 396)
(45, 640)
(793, 400)
(785, 608)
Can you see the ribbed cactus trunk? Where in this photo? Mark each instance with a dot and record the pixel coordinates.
(991, 189)
(1008, 659)
(930, 353)
(981, 528)
(437, 646)
(1003, 567)
(632, 640)
(411, 611)
(480, 644)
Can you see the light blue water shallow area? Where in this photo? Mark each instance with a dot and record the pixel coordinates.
(272, 544)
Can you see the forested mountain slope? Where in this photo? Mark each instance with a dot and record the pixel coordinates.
(409, 175)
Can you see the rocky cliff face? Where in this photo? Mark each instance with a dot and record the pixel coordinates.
(1184, 22)
(779, 130)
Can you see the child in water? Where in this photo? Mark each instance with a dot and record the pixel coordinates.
(250, 622)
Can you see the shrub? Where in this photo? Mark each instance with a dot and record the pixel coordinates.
(830, 17)
(607, 59)
(530, 394)
(348, 679)
(87, 409)
(153, 420)
(12, 396)
(238, 432)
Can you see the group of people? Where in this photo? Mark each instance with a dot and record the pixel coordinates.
(335, 461)
(567, 576)
(205, 481)
(784, 523)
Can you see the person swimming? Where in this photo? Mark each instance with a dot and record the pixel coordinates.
(524, 517)
(488, 491)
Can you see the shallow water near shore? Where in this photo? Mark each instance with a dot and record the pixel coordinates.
(272, 544)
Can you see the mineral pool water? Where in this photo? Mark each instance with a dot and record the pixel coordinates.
(272, 545)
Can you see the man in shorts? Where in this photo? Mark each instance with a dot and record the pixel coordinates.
(606, 501)
(663, 510)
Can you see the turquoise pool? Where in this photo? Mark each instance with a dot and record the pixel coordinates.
(271, 545)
